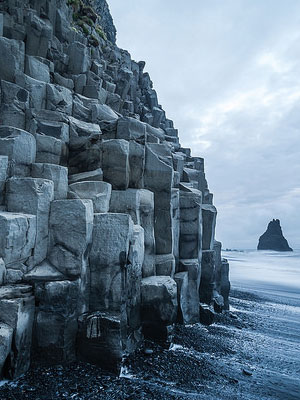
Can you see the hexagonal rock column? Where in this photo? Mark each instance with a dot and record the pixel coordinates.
(17, 236)
(175, 201)
(139, 204)
(108, 260)
(55, 325)
(159, 307)
(217, 297)
(115, 163)
(98, 192)
(6, 335)
(188, 281)
(14, 59)
(159, 179)
(225, 283)
(190, 242)
(17, 312)
(55, 173)
(116, 259)
(209, 216)
(165, 265)
(32, 196)
(3, 176)
(207, 282)
(20, 148)
(99, 340)
(71, 227)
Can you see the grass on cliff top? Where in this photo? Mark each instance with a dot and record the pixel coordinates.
(85, 17)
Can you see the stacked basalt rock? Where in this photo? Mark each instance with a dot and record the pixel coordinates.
(106, 222)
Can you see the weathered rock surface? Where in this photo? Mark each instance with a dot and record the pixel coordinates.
(273, 238)
(107, 225)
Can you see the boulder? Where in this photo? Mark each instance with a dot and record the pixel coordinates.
(159, 300)
(273, 238)
(207, 315)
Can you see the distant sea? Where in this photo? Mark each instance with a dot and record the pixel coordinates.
(265, 272)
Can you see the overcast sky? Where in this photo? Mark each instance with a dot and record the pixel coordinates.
(228, 73)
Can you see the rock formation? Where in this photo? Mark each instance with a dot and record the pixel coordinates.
(106, 223)
(273, 238)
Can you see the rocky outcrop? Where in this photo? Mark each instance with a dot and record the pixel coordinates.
(273, 238)
(106, 223)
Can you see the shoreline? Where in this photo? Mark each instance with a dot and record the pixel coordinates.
(251, 353)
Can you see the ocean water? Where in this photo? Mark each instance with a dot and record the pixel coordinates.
(271, 272)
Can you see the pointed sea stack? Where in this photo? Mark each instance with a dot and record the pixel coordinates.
(273, 238)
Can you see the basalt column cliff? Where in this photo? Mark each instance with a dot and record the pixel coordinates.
(106, 223)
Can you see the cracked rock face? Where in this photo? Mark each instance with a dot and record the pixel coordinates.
(107, 224)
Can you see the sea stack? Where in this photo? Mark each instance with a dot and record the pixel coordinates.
(273, 238)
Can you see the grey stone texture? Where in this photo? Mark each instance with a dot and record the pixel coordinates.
(32, 196)
(55, 173)
(20, 148)
(107, 224)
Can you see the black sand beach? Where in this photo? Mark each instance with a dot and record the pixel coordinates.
(251, 353)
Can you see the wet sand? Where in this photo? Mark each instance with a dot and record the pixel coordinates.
(251, 353)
